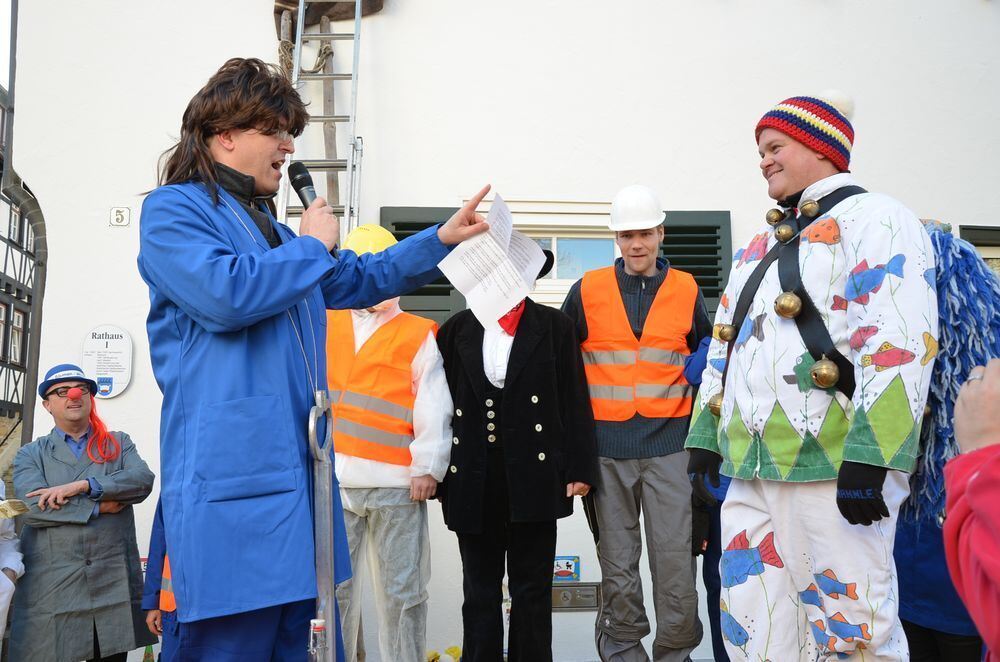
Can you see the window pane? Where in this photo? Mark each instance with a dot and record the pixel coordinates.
(545, 243)
(16, 333)
(575, 256)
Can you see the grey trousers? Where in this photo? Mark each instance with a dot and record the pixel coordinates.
(660, 490)
(394, 530)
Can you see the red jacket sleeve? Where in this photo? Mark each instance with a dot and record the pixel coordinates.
(972, 536)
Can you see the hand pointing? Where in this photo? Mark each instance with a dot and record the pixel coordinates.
(465, 223)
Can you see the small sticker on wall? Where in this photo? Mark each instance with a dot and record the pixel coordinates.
(566, 569)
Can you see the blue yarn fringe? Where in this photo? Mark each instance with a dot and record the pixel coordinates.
(968, 295)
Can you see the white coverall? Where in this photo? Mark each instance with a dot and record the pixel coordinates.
(380, 515)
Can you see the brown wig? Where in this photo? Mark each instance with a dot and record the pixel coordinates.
(245, 93)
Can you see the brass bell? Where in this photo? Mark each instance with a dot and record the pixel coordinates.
(784, 232)
(809, 208)
(824, 373)
(715, 404)
(725, 332)
(774, 216)
(927, 410)
(788, 305)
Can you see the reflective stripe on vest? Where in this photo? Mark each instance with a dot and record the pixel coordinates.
(371, 403)
(627, 376)
(372, 391)
(168, 602)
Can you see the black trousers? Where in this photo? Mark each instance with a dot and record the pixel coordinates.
(928, 645)
(529, 549)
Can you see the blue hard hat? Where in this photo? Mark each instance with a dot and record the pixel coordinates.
(64, 372)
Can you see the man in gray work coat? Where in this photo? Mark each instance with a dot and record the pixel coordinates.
(80, 596)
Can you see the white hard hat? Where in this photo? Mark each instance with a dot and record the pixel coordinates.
(636, 207)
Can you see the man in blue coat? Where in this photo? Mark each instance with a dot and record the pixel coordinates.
(237, 331)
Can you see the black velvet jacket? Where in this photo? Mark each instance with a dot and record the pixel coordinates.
(546, 418)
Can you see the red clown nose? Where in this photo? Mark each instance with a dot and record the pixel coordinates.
(74, 393)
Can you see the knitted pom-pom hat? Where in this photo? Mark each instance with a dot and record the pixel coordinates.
(821, 124)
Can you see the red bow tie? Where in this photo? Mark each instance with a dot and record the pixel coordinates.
(510, 321)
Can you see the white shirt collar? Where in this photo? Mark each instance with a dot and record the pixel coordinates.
(828, 185)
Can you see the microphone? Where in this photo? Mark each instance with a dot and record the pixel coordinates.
(302, 182)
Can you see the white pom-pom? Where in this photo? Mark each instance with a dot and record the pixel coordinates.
(839, 100)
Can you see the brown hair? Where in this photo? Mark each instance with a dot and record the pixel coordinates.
(245, 93)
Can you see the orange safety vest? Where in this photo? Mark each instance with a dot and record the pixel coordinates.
(372, 391)
(168, 602)
(646, 376)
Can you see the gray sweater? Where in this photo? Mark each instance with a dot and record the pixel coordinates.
(640, 437)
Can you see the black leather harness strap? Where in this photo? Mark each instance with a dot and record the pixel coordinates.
(809, 322)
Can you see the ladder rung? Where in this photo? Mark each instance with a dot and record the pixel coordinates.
(325, 164)
(324, 76)
(330, 118)
(338, 210)
(333, 36)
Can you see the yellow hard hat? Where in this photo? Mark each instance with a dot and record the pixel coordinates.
(369, 238)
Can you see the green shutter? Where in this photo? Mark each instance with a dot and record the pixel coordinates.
(439, 300)
(700, 243)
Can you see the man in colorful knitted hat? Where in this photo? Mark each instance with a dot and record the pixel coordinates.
(813, 398)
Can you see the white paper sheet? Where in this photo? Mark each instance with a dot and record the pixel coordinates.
(494, 270)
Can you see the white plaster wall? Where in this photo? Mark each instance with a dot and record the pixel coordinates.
(548, 100)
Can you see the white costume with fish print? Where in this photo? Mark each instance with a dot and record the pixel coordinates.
(868, 266)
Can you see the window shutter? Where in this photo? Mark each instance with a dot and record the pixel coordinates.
(438, 300)
(700, 243)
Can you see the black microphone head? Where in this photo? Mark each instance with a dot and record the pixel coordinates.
(302, 182)
(299, 175)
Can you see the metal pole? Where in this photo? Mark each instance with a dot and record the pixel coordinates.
(323, 629)
(353, 201)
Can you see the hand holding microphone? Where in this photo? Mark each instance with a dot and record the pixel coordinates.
(317, 218)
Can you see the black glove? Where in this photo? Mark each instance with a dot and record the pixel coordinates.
(701, 463)
(701, 524)
(859, 493)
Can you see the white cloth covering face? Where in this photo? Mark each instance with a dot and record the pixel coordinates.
(431, 445)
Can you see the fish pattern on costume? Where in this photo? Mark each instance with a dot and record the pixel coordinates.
(865, 281)
(751, 327)
(828, 583)
(811, 596)
(756, 250)
(802, 374)
(740, 561)
(848, 631)
(822, 637)
(870, 288)
(861, 336)
(822, 231)
(734, 633)
(930, 349)
(724, 301)
(887, 356)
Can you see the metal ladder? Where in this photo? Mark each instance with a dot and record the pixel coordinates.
(351, 166)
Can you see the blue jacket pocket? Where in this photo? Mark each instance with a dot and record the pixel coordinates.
(243, 449)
